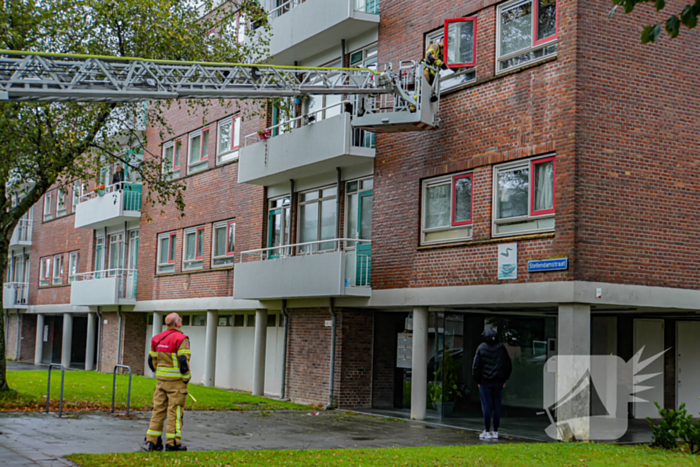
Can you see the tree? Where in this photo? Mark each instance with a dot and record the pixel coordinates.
(48, 144)
(688, 17)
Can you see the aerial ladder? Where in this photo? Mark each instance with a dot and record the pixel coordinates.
(390, 100)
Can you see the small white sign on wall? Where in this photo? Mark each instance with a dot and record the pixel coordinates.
(46, 332)
(508, 261)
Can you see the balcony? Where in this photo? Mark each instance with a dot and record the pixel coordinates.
(305, 151)
(108, 287)
(22, 236)
(327, 268)
(301, 29)
(15, 295)
(113, 205)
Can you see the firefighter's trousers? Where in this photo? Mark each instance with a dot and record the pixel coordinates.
(169, 397)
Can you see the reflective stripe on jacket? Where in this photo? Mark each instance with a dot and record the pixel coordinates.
(166, 350)
(433, 55)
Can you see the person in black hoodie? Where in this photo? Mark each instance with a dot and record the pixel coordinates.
(491, 370)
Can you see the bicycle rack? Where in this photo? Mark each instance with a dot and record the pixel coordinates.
(114, 386)
(48, 388)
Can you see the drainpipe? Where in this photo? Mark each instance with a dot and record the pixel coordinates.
(331, 377)
(284, 346)
(99, 338)
(119, 335)
(342, 53)
(19, 326)
(291, 212)
(337, 206)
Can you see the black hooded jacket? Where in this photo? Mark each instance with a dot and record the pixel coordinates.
(491, 362)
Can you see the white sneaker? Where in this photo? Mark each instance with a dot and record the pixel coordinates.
(494, 435)
(485, 435)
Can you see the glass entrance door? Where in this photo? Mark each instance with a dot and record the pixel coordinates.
(278, 226)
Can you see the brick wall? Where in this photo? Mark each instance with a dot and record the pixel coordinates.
(109, 339)
(11, 342)
(353, 372)
(133, 341)
(500, 118)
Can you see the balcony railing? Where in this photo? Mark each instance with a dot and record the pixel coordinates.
(23, 233)
(360, 138)
(109, 206)
(16, 294)
(366, 6)
(131, 195)
(105, 287)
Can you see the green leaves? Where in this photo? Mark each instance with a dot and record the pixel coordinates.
(673, 26)
(688, 18)
(650, 33)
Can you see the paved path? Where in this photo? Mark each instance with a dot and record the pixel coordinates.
(38, 438)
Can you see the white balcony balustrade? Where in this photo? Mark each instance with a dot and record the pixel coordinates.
(304, 146)
(303, 28)
(324, 268)
(107, 287)
(15, 295)
(22, 236)
(109, 206)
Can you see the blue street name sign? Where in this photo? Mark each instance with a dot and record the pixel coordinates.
(559, 264)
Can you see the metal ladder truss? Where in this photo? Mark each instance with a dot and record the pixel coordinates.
(80, 78)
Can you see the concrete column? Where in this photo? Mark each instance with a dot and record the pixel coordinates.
(259, 355)
(210, 348)
(39, 345)
(574, 351)
(157, 323)
(90, 342)
(419, 363)
(67, 339)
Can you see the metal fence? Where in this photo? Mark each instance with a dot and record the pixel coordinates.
(131, 194)
(23, 231)
(16, 293)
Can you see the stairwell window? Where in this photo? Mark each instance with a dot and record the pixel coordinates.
(224, 243)
(526, 31)
(228, 139)
(57, 270)
(166, 252)
(193, 254)
(198, 157)
(447, 209)
(463, 36)
(45, 272)
(524, 197)
(172, 152)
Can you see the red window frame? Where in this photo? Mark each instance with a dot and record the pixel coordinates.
(228, 227)
(178, 142)
(533, 187)
(47, 268)
(454, 199)
(51, 198)
(446, 42)
(233, 133)
(171, 241)
(238, 28)
(201, 144)
(535, 8)
(200, 231)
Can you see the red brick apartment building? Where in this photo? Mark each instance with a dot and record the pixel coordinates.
(333, 266)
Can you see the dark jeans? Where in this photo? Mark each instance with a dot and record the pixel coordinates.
(491, 394)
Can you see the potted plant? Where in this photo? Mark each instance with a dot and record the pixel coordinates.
(100, 190)
(264, 134)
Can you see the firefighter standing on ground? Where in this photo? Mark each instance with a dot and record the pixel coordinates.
(169, 359)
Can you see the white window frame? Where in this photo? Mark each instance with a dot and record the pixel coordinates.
(530, 218)
(57, 276)
(369, 57)
(198, 261)
(535, 45)
(316, 248)
(164, 268)
(203, 162)
(73, 266)
(227, 259)
(61, 202)
(322, 113)
(450, 74)
(466, 226)
(45, 272)
(231, 152)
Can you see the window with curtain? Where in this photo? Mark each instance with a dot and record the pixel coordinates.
(526, 31)
(524, 196)
(447, 208)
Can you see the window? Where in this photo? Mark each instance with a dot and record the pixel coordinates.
(250, 321)
(185, 320)
(61, 198)
(172, 152)
(166, 252)
(229, 139)
(317, 218)
(460, 42)
(447, 209)
(225, 320)
(452, 76)
(525, 32)
(45, 274)
(199, 320)
(241, 26)
(279, 226)
(199, 151)
(57, 270)
(193, 254)
(271, 320)
(364, 58)
(239, 321)
(73, 266)
(49, 205)
(224, 243)
(319, 107)
(524, 196)
(116, 254)
(79, 189)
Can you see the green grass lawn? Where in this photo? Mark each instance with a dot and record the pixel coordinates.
(91, 390)
(503, 455)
